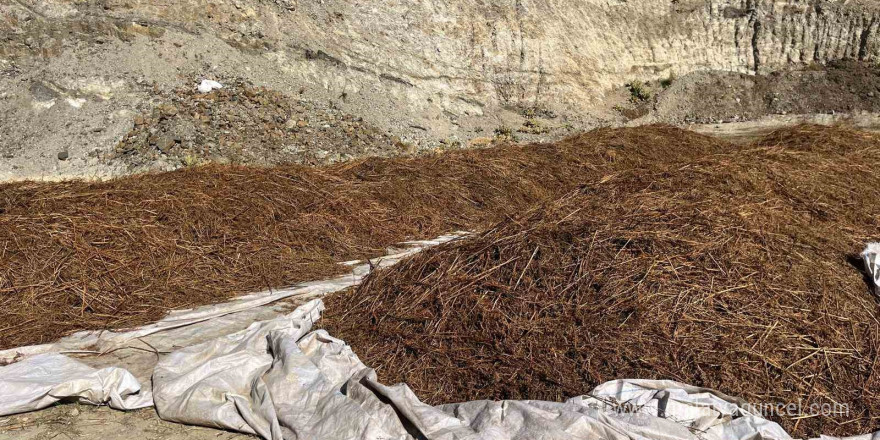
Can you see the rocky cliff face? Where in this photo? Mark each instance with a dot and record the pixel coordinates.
(428, 66)
(464, 55)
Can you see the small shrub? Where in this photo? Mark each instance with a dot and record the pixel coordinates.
(505, 133)
(503, 130)
(190, 159)
(450, 143)
(537, 111)
(533, 126)
(639, 91)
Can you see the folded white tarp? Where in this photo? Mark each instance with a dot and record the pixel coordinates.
(278, 379)
(43, 380)
(275, 379)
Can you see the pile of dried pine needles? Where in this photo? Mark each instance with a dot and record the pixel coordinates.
(733, 268)
(86, 255)
(646, 252)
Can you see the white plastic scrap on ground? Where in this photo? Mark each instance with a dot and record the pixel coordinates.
(279, 379)
(207, 85)
(871, 256)
(75, 102)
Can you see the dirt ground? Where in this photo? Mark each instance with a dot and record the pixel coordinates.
(748, 131)
(840, 88)
(250, 125)
(91, 422)
(63, 115)
(96, 105)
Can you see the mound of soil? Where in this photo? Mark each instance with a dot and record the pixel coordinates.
(80, 255)
(250, 125)
(715, 96)
(734, 270)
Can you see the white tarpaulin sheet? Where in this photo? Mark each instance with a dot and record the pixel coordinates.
(871, 256)
(46, 379)
(279, 379)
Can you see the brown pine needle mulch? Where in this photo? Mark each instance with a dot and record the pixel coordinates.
(735, 270)
(80, 255)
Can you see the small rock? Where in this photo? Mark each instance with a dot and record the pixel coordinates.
(164, 143)
(139, 120)
(63, 155)
(74, 412)
(169, 110)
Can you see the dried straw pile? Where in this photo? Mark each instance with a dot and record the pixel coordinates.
(729, 271)
(79, 255)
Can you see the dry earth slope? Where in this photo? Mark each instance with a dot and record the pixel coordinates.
(432, 70)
